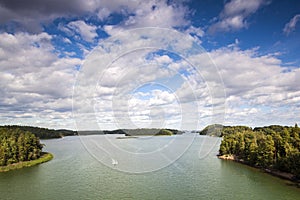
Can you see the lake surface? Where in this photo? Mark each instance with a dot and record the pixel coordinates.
(75, 173)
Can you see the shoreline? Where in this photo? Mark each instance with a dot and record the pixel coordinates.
(44, 158)
(273, 172)
(126, 137)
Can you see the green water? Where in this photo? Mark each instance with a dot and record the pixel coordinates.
(75, 174)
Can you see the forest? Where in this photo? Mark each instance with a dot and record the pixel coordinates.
(271, 147)
(17, 146)
(134, 132)
(43, 133)
(220, 130)
(151, 132)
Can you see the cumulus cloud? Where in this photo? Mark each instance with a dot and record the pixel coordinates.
(34, 79)
(30, 14)
(234, 15)
(156, 111)
(158, 14)
(133, 63)
(291, 25)
(132, 86)
(257, 87)
(36, 85)
(86, 31)
(195, 31)
(251, 82)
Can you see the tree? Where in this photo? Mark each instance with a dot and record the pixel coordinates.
(265, 151)
(275, 146)
(17, 146)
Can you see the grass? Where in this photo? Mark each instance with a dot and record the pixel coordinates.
(44, 158)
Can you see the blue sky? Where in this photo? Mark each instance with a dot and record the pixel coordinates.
(254, 45)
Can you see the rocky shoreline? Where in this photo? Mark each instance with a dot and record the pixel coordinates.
(280, 174)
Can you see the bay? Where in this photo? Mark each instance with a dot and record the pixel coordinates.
(74, 173)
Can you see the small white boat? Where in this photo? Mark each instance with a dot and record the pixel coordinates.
(114, 162)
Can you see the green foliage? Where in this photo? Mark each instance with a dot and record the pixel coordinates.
(148, 132)
(43, 133)
(220, 130)
(275, 147)
(213, 130)
(165, 132)
(17, 146)
(44, 158)
(133, 132)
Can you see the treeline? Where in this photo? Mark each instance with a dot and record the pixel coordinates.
(152, 131)
(220, 130)
(43, 133)
(17, 145)
(270, 147)
(134, 132)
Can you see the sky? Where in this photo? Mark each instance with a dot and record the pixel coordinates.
(102, 64)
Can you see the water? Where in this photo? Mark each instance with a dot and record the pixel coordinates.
(75, 174)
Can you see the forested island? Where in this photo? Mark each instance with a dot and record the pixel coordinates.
(134, 132)
(45, 133)
(274, 148)
(20, 149)
(20, 145)
(220, 130)
(151, 132)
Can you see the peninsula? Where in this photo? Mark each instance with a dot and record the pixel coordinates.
(275, 149)
(20, 149)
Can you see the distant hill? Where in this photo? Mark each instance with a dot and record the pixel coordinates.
(43, 133)
(134, 132)
(146, 132)
(220, 130)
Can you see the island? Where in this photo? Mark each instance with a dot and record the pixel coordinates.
(46, 133)
(43, 133)
(20, 149)
(275, 149)
(151, 132)
(135, 132)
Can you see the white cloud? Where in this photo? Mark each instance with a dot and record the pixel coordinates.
(291, 25)
(67, 40)
(103, 13)
(32, 14)
(165, 59)
(36, 84)
(23, 51)
(253, 82)
(234, 15)
(122, 65)
(34, 79)
(158, 14)
(195, 31)
(86, 31)
(155, 111)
